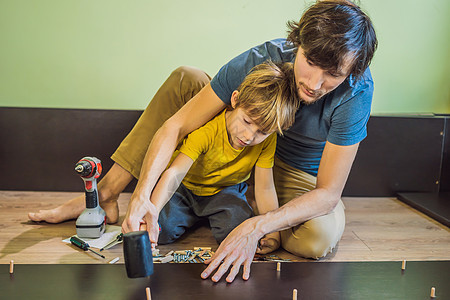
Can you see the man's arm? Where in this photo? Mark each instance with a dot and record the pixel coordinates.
(333, 172)
(200, 109)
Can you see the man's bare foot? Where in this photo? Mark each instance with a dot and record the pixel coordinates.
(111, 208)
(73, 208)
(109, 189)
(69, 210)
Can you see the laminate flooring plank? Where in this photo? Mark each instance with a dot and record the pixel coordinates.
(377, 229)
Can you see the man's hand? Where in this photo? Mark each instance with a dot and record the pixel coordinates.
(269, 243)
(237, 249)
(142, 211)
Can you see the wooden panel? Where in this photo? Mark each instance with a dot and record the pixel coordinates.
(400, 154)
(435, 205)
(445, 171)
(375, 280)
(39, 146)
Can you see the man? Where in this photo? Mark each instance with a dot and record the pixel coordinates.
(331, 46)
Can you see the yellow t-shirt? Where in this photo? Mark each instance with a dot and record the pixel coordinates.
(216, 163)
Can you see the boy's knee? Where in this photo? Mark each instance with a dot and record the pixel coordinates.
(220, 231)
(169, 235)
(169, 232)
(220, 235)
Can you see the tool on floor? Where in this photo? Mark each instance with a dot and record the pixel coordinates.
(83, 245)
(92, 221)
(137, 251)
(114, 242)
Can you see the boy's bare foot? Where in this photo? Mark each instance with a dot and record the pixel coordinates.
(73, 208)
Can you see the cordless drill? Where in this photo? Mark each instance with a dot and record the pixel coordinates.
(92, 221)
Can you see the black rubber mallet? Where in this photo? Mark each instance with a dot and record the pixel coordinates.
(137, 251)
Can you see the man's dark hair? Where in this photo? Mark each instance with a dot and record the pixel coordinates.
(334, 32)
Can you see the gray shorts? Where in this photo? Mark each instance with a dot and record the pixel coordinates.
(224, 211)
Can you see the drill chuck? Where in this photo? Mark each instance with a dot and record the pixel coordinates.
(85, 168)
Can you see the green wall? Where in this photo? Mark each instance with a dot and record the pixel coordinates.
(115, 54)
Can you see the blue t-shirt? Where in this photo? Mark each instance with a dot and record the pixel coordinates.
(339, 117)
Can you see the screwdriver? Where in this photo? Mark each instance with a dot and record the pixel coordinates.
(83, 245)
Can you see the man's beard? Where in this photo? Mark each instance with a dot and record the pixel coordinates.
(304, 102)
(310, 102)
(317, 96)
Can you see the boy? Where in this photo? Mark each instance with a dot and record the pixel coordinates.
(214, 161)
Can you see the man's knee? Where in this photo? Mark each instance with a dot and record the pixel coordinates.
(317, 237)
(186, 82)
(191, 77)
(308, 249)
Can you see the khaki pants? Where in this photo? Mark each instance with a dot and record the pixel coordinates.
(178, 89)
(314, 238)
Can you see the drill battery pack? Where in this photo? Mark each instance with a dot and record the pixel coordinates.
(91, 223)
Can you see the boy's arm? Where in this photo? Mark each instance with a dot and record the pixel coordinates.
(265, 194)
(164, 190)
(199, 110)
(266, 200)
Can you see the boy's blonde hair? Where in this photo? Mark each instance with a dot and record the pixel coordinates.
(269, 96)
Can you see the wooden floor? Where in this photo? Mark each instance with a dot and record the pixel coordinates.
(377, 229)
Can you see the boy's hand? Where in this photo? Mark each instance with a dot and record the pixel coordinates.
(269, 243)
